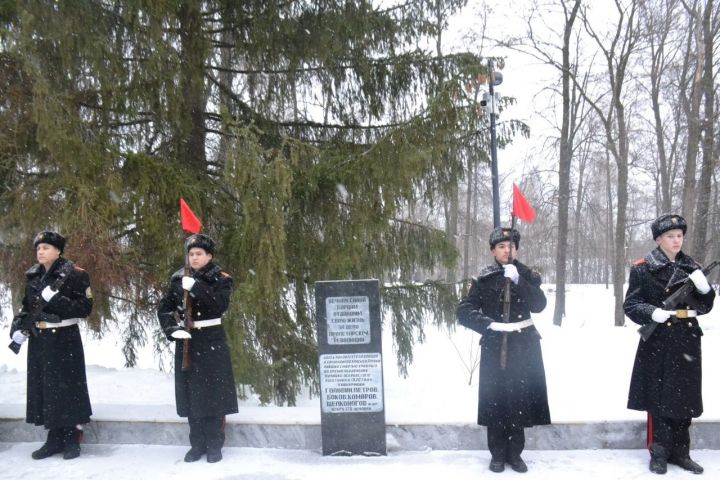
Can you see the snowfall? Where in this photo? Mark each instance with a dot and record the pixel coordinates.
(588, 362)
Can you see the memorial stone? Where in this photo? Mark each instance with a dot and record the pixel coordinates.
(352, 406)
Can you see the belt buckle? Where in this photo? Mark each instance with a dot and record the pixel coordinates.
(681, 314)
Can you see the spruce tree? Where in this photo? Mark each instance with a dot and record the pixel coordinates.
(298, 131)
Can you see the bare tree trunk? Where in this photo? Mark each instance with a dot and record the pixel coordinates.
(578, 217)
(608, 245)
(617, 56)
(622, 199)
(699, 247)
(692, 110)
(659, 23)
(564, 169)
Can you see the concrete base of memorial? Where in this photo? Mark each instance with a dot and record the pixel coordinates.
(165, 430)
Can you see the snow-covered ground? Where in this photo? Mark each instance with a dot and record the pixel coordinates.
(133, 462)
(588, 363)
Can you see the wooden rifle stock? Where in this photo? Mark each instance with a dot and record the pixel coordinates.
(187, 313)
(506, 318)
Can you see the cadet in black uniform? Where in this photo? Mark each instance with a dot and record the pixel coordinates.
(513, 397)
(666, 377)
(57, 296)
(205, 390)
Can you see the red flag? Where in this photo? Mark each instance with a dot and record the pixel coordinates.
(190, 223)
(521, 208)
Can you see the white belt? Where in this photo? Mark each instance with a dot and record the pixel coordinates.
(685, 313)
(63, 323)
(520, 325)
(206, 323)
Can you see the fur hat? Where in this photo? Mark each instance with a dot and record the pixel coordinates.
(666, 223)
(200, 240)
(501, 234)
(51, 238)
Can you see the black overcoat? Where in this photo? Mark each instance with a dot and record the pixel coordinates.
(517, 395)
(57, 392)
(667, 376)
(207, 388)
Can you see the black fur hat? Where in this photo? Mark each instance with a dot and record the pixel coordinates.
(501, 234)
(200, 240)
(51, 238)
(666, 223)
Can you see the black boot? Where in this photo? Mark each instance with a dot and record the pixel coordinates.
(214, 455)
(197, 440)
(497, 465)
(54, 444)
(517, 464)
(72, 444)
(194, 454)
(214, 430)
(658, 464)
(687, 463)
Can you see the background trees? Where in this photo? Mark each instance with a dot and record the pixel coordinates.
(640, 77)
(329, 139)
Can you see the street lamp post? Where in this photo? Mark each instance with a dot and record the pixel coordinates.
(494, 78)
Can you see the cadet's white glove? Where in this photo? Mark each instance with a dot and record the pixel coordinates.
(700, 281)
(659, 315)
(188, 282)
(181, 335)
(48, 293)
(19, 337)
(511, 272)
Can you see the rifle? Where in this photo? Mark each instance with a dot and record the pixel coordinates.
(26, 320)
(671, 302)
(507, 302)
(187, 313)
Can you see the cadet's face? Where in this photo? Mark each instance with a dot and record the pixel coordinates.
(502, 251)
(46, 254)
(198, 258)
(671, 242)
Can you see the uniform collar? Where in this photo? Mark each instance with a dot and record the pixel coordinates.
(657, 260)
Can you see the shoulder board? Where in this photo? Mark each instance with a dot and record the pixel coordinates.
(79, 269)
(179, 273)
(34, 270)
(639, 262)
(489, 270)
(225, 275)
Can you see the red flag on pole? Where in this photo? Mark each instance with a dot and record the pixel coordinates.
(190, 223)
(521, 208)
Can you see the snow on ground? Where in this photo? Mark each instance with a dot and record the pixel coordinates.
(133, 462)
(587, 361)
